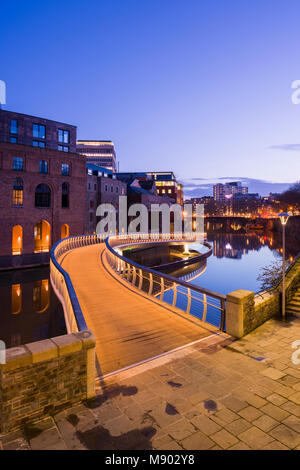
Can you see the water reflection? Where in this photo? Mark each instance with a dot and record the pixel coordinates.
(237, 260)
(30, 310)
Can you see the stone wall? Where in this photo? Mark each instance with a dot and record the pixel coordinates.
(265, 307)
(245, 311)
(41, 378)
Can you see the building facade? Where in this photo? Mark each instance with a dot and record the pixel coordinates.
(102, 186)
(17, 128)
(98, 152)
(42, 199)
(167, 185)
(228, 190)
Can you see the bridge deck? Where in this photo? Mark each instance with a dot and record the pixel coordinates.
(128, 325)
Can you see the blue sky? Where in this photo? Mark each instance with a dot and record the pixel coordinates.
(199, 87)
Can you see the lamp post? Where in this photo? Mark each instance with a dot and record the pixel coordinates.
(284, 216)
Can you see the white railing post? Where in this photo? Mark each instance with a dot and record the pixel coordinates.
(174, 295)
(141, 280)
(189, 301)
(162, 288)
(150, 285)
(204, 307)
(133, 275)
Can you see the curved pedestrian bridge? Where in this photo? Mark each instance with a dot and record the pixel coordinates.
(129, 325)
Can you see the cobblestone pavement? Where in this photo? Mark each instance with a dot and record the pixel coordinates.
(211, 395)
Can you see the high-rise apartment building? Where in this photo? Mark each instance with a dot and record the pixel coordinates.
(98, 152)
(228, 190)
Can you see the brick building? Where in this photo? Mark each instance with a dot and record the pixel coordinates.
(17, 128)
(167, 185)
(102, 187)
(42, 199)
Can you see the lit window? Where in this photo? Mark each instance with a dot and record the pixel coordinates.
(18, 192)
(17, 240)
(36, 143)
(65, 169)
(18, 163)
(13, 140)
(13, 126)
(63, 148)
(63, 136)
(43, 166)
(39, 131)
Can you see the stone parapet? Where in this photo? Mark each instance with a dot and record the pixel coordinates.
(38, 379)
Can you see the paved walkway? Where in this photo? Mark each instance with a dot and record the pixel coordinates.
(216, 394)
(129, 326)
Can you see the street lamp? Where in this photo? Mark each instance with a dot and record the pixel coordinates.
(284, 216)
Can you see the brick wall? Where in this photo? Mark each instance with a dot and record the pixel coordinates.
(46, 376)
(28, 215)
(25, 126)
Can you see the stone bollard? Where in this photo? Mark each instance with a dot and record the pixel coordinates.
(239, 309)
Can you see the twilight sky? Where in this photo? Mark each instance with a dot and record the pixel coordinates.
(199, 87)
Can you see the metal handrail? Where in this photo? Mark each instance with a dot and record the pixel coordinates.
(202, 290)
(65, 291)
(124, 266)
(62, 284)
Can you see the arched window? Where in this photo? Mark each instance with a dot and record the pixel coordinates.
(65, 231)
(18, 192)
(17, 240)
(42, 235)
(42, 196)
(65, 190)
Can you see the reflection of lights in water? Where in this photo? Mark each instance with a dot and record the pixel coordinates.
(228, 246)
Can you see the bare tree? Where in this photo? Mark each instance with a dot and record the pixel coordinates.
(270, 275)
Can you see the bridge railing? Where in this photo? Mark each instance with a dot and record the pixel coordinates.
(203, 303)
(207, 305)
(61, 281)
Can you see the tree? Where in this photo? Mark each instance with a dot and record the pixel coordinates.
(271, 275)
(292, 195)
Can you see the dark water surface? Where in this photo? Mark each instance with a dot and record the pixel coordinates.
(29, 309)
